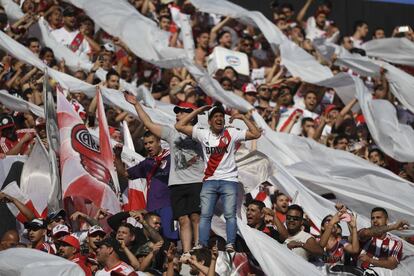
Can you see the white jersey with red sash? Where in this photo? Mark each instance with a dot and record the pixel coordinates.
(382, 248)
(218, 151)
(74, 41)
(287, 114)
(6, 144)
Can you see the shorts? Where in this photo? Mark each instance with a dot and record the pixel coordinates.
(185, 199)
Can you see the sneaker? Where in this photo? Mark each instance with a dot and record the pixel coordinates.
(197, 246)
(230, 248)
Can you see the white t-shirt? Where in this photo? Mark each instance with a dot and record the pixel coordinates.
(302, 236)
(65, 38)
(219, 152)
(122, 269)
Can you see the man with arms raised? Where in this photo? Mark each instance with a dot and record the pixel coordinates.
(220, 175)
(379, 248)
(186, 172)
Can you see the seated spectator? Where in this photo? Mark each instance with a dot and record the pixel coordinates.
(378, 247)
(301, 243)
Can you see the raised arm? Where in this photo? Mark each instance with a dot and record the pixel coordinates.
(216, 29)
(156, 129)
(328, 230)
(344, 111)
(302, 12)
(353, 248)
(253, 131)
(19, 205)
(184, 125)
(375, 231)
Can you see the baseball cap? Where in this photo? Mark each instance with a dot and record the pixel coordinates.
(60, 231)
(109, 47)
(6, 121)
(178, 109)
(111, 242)
(36, 223)
(249, 88)
(216, 109)
(96, 229)
(53, 215)
(69, 11)
(329, 108)
(70, 240)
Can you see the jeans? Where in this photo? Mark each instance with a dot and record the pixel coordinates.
(211, 191)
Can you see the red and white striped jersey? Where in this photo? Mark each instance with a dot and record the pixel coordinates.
(382, 248)
(120, 269)
(218, 151)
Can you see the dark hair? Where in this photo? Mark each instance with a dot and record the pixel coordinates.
(325, 219)
(310, 92)
(220, 35)
(306, 119)
(286, 5)
(359, 23)
(338, 138)
(327, 3)
(223, 79)
(378, 151)
(149, 134)
(380, 209)
(203, 254)
(148, 215)
(43, 52)
(164, 16)
(247, 37)
(30, 40)
(110, 73)
(129, 226)
(258, 203)
(296, 208)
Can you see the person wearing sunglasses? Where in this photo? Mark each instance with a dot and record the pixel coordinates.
(300, 242)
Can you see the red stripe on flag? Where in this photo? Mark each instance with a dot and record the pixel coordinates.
(216, 158)
(136, 200)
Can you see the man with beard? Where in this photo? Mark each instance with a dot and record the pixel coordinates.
(12, 141)
(108, 255)
(280, 206)
(301, 243)
(360, 32)
(70, 36)
(202, 49)
(69, 248)
(264, 96)
(185, 174)
(246, 45)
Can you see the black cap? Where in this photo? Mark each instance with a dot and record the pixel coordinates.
(178, 109)
(111, 242)
(159, 87)
(35, 224)
(59, 213)
(6, 121)
(216, 109)
(69, 11)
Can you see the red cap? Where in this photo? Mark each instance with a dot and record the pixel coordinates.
(329, 108)
(187, 105)
(70, 240)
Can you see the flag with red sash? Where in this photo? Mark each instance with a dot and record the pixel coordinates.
(87, 168)
(76, 42)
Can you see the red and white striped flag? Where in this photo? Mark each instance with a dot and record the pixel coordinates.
(134, 195)
(87, 168)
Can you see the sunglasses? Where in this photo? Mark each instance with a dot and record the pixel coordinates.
(98, 234)
(293, 218)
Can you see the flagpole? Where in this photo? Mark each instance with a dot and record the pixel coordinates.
(55, 200)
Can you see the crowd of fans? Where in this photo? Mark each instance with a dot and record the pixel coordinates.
(175, 227)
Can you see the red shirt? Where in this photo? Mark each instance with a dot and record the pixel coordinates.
(81, 261)
(46, 247)
(6, 144)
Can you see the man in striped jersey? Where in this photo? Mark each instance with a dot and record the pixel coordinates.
(219, 145)
(379, 248)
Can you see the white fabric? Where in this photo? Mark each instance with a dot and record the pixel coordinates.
(13, 10)
(395, 50)
(65, 37)
(32, 262)
(72, 60)
(141, 34)
(18, 104)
